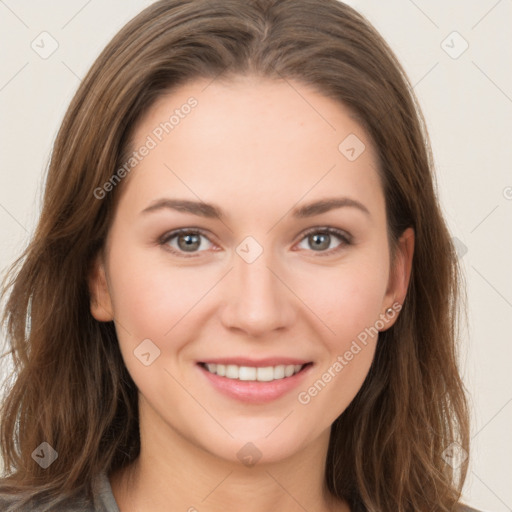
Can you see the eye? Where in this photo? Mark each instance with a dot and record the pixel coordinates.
(320, 240)
(184, 241)
(187, 242)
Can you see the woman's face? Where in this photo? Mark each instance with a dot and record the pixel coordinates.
(294, 273)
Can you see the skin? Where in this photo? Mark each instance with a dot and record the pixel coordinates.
(257, 149)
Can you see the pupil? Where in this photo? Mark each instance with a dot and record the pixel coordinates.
(320, 241)
(191, 242)
(322, 244)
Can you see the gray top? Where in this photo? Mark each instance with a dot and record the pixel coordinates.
(103, 501)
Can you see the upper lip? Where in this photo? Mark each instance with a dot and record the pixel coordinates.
(246, 361)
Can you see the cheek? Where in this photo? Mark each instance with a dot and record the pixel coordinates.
(348, 301)
(151, 297)
(347, 298)
(335, 385)
(154, 301)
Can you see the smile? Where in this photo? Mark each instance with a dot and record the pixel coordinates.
(252, 373)
(254, 384)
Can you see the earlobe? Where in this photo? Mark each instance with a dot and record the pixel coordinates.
(100, 300)
(400, 274)
(403, 266)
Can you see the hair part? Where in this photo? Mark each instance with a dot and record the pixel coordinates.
(72, 388)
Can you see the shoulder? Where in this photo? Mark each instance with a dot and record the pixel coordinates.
(466, 508)
(12, 503)
(102, 500)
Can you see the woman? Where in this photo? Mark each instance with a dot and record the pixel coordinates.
(241, 294)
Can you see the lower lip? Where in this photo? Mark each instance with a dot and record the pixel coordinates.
(255, 392)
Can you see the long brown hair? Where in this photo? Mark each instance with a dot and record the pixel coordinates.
(71, 387)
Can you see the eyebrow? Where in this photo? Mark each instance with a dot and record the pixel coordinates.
(211, 211)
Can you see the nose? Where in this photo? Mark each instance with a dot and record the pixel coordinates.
(258, 298)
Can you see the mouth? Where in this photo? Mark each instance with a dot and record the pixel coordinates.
(254, 382)
(254, 373)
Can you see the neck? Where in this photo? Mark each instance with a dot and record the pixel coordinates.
(171, 473)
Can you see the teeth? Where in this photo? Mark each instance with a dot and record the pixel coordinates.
(247, 373)
(261, 374)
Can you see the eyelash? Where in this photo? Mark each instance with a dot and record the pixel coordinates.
(344, 237)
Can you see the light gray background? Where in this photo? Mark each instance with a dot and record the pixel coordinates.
(467, 102)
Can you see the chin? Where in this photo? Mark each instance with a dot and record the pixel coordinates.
(258, 450)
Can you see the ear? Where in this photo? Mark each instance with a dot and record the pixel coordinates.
(101, 302)
(400, 275)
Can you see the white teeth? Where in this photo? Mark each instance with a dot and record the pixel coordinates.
(289, 370)
(232, 371)
(279, 371)
(247, 373)
(261, 374)
(265, 373)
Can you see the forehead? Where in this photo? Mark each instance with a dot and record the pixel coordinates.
(252, 139)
